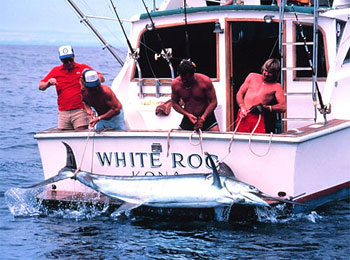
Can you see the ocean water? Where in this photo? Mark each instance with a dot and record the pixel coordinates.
(29, 233)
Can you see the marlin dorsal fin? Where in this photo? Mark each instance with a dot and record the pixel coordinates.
(70, 164)
(216, 177)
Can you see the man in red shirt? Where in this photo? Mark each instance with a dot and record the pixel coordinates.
(66, 78)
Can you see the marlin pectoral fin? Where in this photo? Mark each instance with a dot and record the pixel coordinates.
(59, 177)
(125, 208)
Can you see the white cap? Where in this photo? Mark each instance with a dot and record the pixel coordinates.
(91, 78)
(65, 51)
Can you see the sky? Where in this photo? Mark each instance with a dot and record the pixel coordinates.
(54, 22)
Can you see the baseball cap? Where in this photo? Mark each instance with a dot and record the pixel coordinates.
(65, 51)
(91, 78)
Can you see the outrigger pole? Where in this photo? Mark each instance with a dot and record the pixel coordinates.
(99, 36)
(166, 55)
(133, 52)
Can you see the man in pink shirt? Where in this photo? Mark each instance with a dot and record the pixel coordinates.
(66, 78)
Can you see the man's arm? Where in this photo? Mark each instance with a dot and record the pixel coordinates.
(113, 102)
(280, 107)
(240, 96)
(46, 84)
(212, 100)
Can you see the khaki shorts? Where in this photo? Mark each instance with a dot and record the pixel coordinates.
(72, 119)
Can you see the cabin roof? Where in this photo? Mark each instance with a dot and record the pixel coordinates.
(298, 9)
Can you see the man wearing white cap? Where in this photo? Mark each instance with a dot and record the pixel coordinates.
(66, 78)
(103, 100)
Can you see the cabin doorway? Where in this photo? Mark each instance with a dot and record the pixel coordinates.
(251, 44)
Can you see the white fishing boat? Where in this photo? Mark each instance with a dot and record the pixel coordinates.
(306, 157)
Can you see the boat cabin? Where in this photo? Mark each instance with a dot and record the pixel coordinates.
(227, 43)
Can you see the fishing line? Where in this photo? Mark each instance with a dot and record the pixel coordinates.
(147, 57)
(273, 48)
(93, 13)
(122, 27)
(166, 55)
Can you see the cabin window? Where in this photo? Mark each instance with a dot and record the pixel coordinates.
(202, 50)
(302, 56)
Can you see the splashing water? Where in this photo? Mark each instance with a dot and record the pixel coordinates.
(279, 214)
(222, 214)
(23, 202)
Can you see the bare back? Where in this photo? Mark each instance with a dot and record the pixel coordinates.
(102, 99)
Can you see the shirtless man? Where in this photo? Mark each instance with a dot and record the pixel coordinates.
(103, 100)
(198, 95)
(260, 89)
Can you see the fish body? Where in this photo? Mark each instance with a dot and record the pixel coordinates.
(207, 190)
(182, 191)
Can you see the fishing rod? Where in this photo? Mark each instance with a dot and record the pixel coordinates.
(186, 32)
(134, 53)
(323, 109)
(166, 55)
(99, 36)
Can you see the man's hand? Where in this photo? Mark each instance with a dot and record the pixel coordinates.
(192, 118)
(199, 124)
(51, 81)
(243, 112)
(94, 121)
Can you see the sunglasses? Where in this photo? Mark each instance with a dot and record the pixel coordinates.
(67, 60)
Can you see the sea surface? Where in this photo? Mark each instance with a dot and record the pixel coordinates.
(29, 233)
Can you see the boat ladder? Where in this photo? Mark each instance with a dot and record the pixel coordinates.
(298, 96)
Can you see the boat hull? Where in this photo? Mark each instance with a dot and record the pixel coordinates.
(310, 164)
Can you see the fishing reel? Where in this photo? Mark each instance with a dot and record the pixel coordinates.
(166, 56)
(327, 109)
(135, 54)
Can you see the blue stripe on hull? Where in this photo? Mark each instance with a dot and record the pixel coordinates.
(340, 194)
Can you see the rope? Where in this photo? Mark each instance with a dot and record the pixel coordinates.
(82, 158)
(168, 142)
(232, 138)
(250, 138)
(200, 142)
(250, 141)
(92, 153)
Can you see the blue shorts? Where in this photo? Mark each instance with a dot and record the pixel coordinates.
(116, 122)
